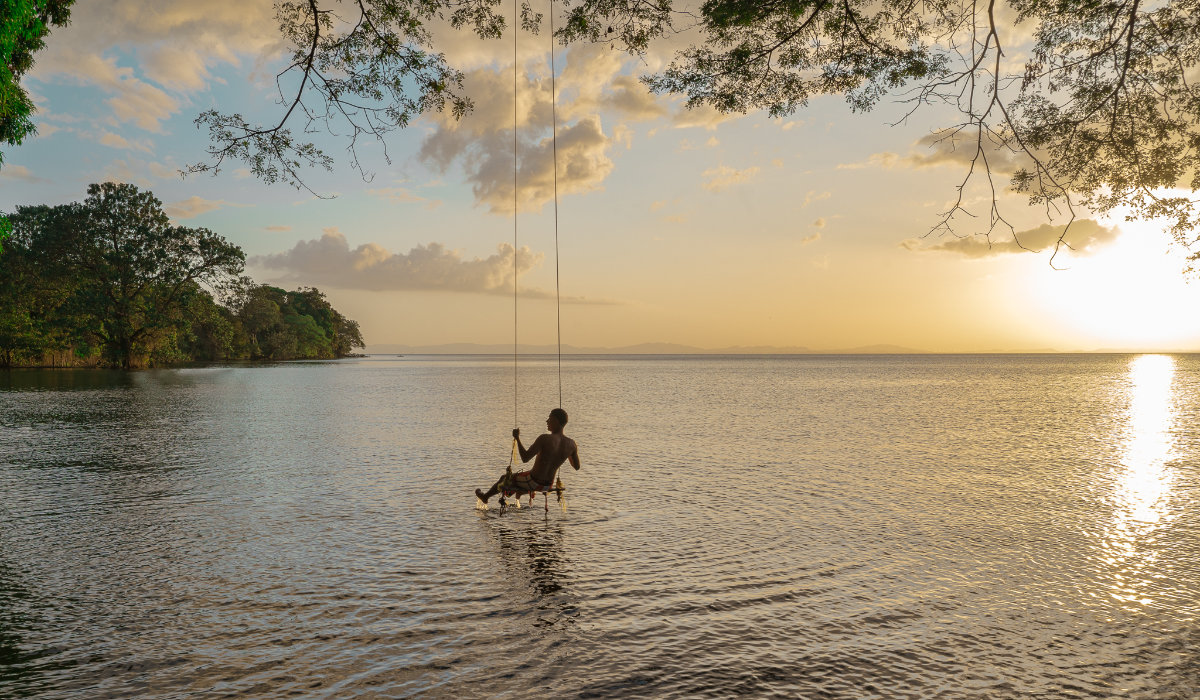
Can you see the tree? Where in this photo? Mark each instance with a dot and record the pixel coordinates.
(24, 25)
(282, 325)
(1101, 113)
(42, 314)
(135, 267)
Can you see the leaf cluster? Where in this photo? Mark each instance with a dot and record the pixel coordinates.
(24, 25)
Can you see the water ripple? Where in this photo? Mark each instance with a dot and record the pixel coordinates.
(888, 527)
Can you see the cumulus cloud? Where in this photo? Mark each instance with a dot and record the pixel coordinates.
(811, 239)
(722, 177)
(481, 143)
(595, 84)
(330, 261)
(195, 206)
(819, 223)
(1085, 236)
(583, 162)
(593, 81)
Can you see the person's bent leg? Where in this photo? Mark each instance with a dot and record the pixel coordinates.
(491, 492)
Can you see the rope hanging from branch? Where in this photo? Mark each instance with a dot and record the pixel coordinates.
(554, 151)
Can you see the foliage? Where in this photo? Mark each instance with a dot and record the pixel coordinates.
(24, 25)
(1093, 106)
(372, 72)
(281, 325)
(111, 281)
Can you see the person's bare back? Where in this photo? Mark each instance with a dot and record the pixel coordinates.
(550, 449)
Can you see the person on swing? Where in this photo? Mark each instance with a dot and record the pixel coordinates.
(551, 450)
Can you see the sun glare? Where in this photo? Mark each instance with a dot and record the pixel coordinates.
(1143, 478)
(1131, 295)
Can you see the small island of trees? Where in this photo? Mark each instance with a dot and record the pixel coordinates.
(111, 282)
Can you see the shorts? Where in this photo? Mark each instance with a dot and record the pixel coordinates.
(520, 482)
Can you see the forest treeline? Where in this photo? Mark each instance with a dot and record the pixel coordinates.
(111, 282)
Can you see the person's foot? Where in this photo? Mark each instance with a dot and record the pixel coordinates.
(480, 495)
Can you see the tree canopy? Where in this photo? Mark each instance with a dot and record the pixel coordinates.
(1097, 108)
(110, 281)
(1088, 104)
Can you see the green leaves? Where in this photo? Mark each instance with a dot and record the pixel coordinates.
(24, 25)
(5, 230)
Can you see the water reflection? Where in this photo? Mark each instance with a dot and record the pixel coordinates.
(1144, 480)
(533, 554)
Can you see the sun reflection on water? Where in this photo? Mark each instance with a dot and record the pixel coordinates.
(1144, 481)
(1148, 448)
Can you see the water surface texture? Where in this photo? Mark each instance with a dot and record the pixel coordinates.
(799, 527)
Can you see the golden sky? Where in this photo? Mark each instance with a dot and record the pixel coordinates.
(675, 226)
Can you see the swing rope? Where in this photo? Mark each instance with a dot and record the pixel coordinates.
(516, 10)
(554, 151)
(554, 141)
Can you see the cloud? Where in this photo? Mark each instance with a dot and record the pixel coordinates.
(950, 148)
(277, 227)
(819, 223)
(722, 177)
(108, 138)
(594, 81)
(162, 171)
(20, 172)
(175, 44)
(121, 170)
(329, 260)
(811, 239)
(195, 206)
(399, 195)
(877, 160)
(583, 163)
(1085, 237)
(814, 196)
(134, 100)
(957, 149)
(703, 116)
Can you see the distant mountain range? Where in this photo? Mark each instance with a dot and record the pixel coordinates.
(640, 349)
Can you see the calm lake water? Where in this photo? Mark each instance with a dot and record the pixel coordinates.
(799, 527)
